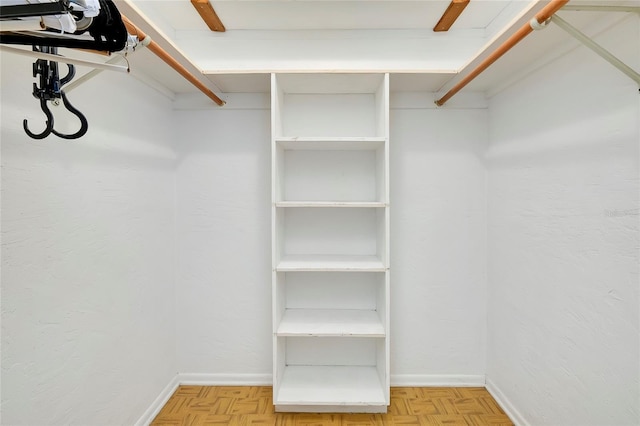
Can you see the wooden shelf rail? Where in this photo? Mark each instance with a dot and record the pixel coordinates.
(208, 15)
(450, 15)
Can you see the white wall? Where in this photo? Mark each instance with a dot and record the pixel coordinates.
(223, 286)
(88, 331)
(438, 242)
(563, 343)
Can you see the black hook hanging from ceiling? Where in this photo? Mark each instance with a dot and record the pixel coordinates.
(96, 27)
(84, 125)
(50, 89)
(44, 92)
(49, 123)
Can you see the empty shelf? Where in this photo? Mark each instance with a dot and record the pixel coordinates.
(346, 204)
(290, 263)
(330, 385)
(331, 322)
(331, 143)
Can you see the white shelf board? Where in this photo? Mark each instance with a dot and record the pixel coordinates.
(330, 83)
(322, 262)
(330, 322)
(330, 385)
(331, 143)
(354, 139)
(345, 204)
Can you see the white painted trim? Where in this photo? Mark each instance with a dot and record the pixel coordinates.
(155, 407)
(419, 380)
(506, 405)
(438, 380)
(203, 379)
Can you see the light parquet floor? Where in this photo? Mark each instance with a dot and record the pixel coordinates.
(252, 405)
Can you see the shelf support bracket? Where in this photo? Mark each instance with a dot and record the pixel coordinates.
(601, 51)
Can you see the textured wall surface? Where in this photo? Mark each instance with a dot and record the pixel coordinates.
(87, 254)
(438, 242)
(223, 290)
(563, 239)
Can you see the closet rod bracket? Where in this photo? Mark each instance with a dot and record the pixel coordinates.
(537, 26)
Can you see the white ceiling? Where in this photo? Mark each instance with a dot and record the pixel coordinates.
(349, 36)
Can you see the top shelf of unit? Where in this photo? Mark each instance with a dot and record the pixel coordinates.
(331, 143)
(330, 83)
(334, 105)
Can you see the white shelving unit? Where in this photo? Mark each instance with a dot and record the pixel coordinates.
(330, 242)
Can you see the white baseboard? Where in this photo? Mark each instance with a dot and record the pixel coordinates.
(421, 380)
(225, 379)
(438, 380)
(505, 404)
(158, 403)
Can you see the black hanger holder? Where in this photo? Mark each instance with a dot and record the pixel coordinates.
(50, 89)
(107, 33)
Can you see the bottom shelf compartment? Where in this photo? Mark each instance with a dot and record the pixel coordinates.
(330, 389)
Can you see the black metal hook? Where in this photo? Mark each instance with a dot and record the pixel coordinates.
(50, 89)
(84, 125)
(67, 78)
(47, 131)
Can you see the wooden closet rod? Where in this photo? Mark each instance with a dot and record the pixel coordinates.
(169, 60)
(541, 18)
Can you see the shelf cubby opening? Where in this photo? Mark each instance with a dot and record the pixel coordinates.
(330, 171)
(326, 105)
(330, 304)
(331, 371)
(339, 239)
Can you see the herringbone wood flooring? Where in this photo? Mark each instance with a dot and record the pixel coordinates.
(252, 405)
